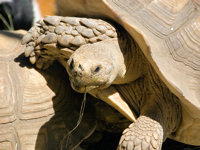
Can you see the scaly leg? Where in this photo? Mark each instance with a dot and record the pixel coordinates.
(157, 120)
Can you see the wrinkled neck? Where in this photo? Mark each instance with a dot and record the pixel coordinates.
(134, 60)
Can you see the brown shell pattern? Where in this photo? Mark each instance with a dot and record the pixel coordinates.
(33, 103)
(168, 32)
(171, 31)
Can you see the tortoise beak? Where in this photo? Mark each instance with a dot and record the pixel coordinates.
(112, 97)
(82, 89)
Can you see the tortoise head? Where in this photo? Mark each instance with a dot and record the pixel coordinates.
(95, 66)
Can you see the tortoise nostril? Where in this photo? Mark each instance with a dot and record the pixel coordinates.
(75, 73)
(71, 65)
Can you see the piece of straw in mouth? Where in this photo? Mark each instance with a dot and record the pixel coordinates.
(67, 136)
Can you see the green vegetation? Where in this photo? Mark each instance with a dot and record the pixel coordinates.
(9, 24)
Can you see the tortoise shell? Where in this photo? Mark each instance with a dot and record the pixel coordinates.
(168, 32)
(34, 104)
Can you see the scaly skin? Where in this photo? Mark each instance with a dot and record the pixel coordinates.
(119, 61)
(160, 111)
(159, 115)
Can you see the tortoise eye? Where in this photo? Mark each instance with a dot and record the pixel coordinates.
(97, 69)
(80, 66)
(71, 65)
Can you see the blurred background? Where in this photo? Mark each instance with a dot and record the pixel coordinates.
(22, 14)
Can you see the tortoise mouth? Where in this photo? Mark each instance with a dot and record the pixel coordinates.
(82, 89)
(86, 88)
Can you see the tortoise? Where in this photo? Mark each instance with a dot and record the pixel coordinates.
(31, 102)
(36, 110)
(160, 50)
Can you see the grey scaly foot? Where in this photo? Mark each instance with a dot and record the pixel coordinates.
(57, 37)
(144, 134)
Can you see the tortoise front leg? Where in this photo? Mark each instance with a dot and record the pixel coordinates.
(57, 37)
(157, 120)
(144, 134)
